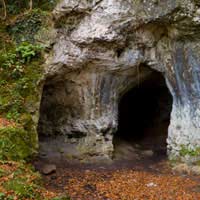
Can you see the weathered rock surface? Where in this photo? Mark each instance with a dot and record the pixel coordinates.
(187, 169)
(102, 49)
(48, 169)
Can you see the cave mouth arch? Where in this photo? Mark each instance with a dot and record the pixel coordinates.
(143, 118)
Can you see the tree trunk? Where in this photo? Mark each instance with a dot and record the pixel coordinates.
(5, 10)
(31, 4)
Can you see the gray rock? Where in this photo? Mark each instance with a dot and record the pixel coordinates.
(187, 169)
(48, 169)
(195, 170)
(148, 153)
(98, 49)
(182, 168)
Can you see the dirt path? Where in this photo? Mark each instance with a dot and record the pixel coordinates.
(149, 178)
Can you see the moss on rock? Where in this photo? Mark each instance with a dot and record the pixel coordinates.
(21, 70)
(16, 143)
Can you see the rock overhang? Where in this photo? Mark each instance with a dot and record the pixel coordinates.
(96, 56)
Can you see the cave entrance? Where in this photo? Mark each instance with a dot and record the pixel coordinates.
(143, 119)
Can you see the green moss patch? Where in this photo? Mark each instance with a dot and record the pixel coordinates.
(15, 7)
(25, 26)
(19, 181)
(16, 143)
(21, 69)
(19, 98)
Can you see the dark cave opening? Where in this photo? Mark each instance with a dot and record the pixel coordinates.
(143, 117)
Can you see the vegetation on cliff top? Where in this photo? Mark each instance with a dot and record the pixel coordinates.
(21, 66)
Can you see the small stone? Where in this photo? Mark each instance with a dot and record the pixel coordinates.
(195, 170)
(48, 169)
(198, 12)
(137, 146)
(187, 169)
(73, 140)
(151, 184)
(182, 168)
(148, 153)
(61, 150)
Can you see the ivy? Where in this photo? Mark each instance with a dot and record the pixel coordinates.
(14, 7)
(26, 26)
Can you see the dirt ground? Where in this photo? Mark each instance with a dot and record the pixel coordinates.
(145, 176)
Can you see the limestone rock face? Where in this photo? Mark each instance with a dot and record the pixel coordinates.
(102, 48)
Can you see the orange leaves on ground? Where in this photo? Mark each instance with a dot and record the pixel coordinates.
(5, 123)
(131, 185)
(123, 184)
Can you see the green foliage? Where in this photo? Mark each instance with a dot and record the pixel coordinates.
(5, 197)
(28, 51)
(20, 71)
(14, 7)
(15, 59)
(10, 62)
(21, 181)
(62, 198)
(18, 94)
(190, 152)
(45, 4)
(2, 173)
(22, 189)
(11, 105)
(26, 26)
(19, 76)
(16, 143)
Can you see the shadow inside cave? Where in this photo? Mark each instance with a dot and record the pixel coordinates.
(143, 120)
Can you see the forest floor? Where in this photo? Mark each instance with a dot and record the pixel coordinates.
(144, 176)
(148, 178)
(127, 180)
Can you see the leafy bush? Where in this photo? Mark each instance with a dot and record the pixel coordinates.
(28, 51)
(15, 6)
(15, 59)
(26, 26)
